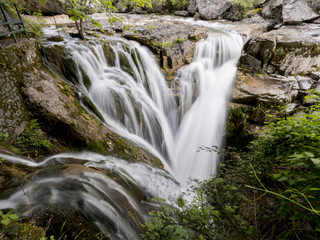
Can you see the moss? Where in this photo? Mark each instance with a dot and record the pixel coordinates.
(65, 88)
(32, 141)
(180, 40)
(79, 106)
(161, 44)
(98, 147)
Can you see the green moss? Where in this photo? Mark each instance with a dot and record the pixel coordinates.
(66, 89)
(161, 44)
(98, 147)
(32, 141)
(180, 40)
(79, 106)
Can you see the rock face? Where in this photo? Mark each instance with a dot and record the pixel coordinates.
(173, 42)
(286, 51)
(297, 11)
(212, 9)
(13, 61)
(39, 95)
(49, 8)
(291, 11)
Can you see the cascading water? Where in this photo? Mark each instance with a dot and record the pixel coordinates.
(132, 95)
(135, 101)
(204, 91)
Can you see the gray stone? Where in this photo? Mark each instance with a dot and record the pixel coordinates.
(192, 7)
(276, 89)
(305, 83)
(249, 62)
(298, 11)
(181, 13)
(272, 10)
(212, 9)
(121, 7)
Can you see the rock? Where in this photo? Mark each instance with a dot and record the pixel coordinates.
(181, 13)
(289, 50)
(315, 75)
(56, 38)
(249, 62)
(250, 89)
(272, 10)
(173, 42)
(47, 8)
(298, 11)
(192, 7)
(121, 7)
(138, 10)
(212, 9)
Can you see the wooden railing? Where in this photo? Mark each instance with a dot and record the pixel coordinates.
(11, 24)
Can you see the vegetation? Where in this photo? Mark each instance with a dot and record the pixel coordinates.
(270, 192)
(80, 11)
(245, 6)
(32, 141)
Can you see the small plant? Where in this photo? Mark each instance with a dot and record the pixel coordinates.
(8, 218)
(65, 88)
(32, 140)
(3, 136)
(180, 40)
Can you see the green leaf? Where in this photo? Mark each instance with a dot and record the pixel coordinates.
(5, 221)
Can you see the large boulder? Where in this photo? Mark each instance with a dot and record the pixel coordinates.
(251, 89)
(273, 10)
(212, 9)
(290, 50)
(291, 11)
(297, 11)
(48, 8)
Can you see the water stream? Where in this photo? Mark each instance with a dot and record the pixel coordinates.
(135, 101)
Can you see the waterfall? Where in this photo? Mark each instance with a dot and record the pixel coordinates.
(205, 86)
(135, 101)
(126, 85)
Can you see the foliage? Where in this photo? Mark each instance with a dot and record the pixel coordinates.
(192, 220)
(80, 11)
(270, 192)
(3, 136)
(32, 140)
(244, 6)
(8, 218)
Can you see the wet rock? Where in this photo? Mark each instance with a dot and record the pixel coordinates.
(181, 13)
(57, 38)
(173, 42)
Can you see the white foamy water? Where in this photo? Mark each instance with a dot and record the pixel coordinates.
(136, 102)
